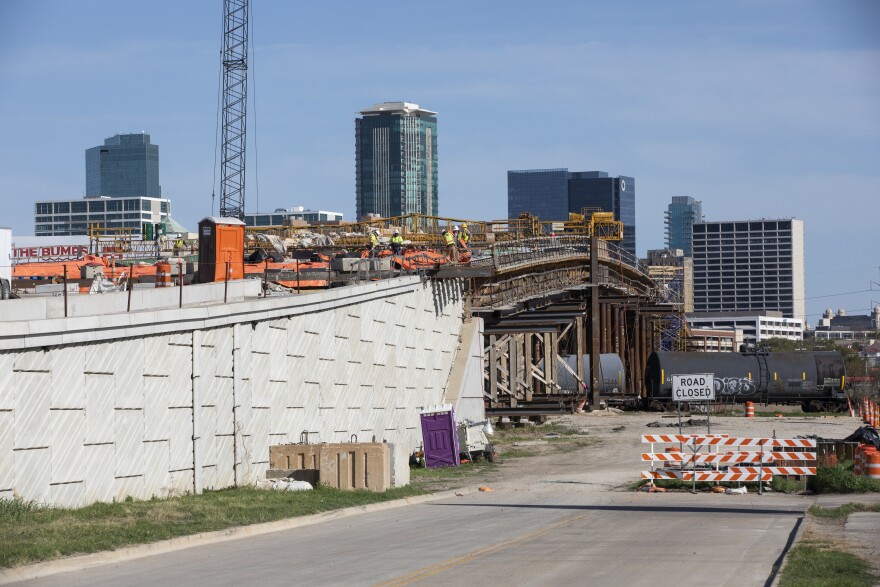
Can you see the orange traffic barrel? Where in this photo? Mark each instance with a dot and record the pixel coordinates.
(859, 465)
(163, 274)
(872, 463)
(750, 409)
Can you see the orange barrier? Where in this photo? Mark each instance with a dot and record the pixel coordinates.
(750, 409)
(872, 463)
(163, 274)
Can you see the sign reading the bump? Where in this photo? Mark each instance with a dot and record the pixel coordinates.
(693, 388)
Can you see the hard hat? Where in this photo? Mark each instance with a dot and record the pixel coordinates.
(396, 231)
(455, 228)
(464, 224)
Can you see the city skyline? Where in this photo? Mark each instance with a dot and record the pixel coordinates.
(759, 110)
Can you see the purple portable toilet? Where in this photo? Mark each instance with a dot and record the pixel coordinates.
(439, 436)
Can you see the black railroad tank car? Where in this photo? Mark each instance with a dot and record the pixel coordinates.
(814, 379)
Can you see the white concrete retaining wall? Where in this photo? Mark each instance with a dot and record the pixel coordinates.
(168, 401)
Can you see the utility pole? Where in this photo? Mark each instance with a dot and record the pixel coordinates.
(235, 60)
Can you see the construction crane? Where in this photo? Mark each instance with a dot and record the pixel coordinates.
(235, 63)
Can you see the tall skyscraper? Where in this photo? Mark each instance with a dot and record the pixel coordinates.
(540, 192)
(126, 165)
(550, 194)
(681, 215)
(750, 266)
(396, 160)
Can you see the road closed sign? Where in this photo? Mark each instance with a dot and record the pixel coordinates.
(693, 388)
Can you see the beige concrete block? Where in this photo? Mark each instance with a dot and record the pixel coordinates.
(357, 465)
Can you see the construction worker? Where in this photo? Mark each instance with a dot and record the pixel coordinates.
(374, 242)
(451, 253)
(396, 242)
(178, 246)
(465, 237)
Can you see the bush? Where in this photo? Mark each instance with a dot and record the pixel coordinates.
(841, 479)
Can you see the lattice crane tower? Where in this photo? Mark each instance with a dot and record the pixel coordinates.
(235, 60)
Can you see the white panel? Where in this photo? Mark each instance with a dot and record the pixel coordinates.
(259, 380)
(223, 403)
(7, 468)
(180, 382)
(225, 453)
(32, 475)
(32, 392)
(129, 443)
(278, 405)
(33, 360)
(259, 436)
(180, 431)
(69, 495)
(156, 402)
(100, 358)
(68, 381)
(100, 415)
(157, 480)
(208, 422)
(7, 388)
(209, 477)
(223, 351)
(7, 494)
(156, 352)
(129, 372)
(68, 435)
(180, 482)
(98, 466)
(129, 487)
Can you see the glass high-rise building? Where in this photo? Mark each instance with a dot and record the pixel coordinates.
(594, 189)
(396, 160)
(681, 215)
(126, 165)
(539, 192)
(550, 194)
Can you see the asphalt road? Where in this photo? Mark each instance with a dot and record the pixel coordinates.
(534, 534)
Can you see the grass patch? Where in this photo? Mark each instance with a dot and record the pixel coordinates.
(843, 511)
(819, 565)
(841, 479)
(785, 485)
(31, 533)
(517, 453)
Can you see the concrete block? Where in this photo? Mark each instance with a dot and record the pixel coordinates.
(129, 487)
(294, 456)
(259, 436)
(68, 429)
(156, 356)
(7, 387)
(156, 403)
(180, 482)
(225, 466)
(32, 360)
(33, 475)
(98, 466)
(180, 432)
(68, 379)
(99, 401)
(99, 359)
(399, 455)
(7, 462)
(32, 399)
(356, 466)
(156, 476)
(129, 437)
(69, 495)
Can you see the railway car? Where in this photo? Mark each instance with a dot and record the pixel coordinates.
(816, 380)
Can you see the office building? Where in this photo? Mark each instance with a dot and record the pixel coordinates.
(551, 194)
(396, 160)
(126, 165)
(74, 217)
(754, 266)
(539, 192)
(681, 215)
(283, 216)
(842, 326)
(756, 328)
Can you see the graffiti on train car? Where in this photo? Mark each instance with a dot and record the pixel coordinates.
(735, 386)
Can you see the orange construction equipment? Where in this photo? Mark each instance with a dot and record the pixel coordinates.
(750, 409)
(872, 463)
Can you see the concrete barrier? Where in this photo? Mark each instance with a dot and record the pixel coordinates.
(353, 465)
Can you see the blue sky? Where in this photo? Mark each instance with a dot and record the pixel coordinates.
(760, 109)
